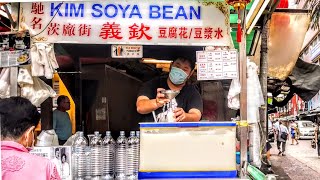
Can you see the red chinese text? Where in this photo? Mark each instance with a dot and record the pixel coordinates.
(84, 30)
(110, 31)
(218, 33)
(162, 32)
(68, 30)
(137, 32)
(36, 23)
(37, 8)
(53, 29)
(208, 33)
(172, 32)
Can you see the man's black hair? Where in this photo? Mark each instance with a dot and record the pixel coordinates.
(191, 62)
(17, 114)
(57, 149)
(61, 98)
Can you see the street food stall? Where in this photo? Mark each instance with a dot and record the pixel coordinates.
(101, 46)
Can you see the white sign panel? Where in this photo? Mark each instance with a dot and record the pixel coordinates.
(126, 51)
(60, 156)
(216, 65)
(152, 22)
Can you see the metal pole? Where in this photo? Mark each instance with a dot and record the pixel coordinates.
(243, 97)
(264, 81)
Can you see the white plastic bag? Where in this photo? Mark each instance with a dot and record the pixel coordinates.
(5, 83)
(24, 77)
(38, 92)
(47, 138)
(233, 94)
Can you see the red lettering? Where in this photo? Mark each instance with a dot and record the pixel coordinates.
(53, 29)
(36, 22)
(198, 33)
(37, 8)
(138, 32)
(172, 32)
(69, 30)
(208, 33)
(110, 31)
(218, 33)
(183, 33)
(84, 30)
(162, 32)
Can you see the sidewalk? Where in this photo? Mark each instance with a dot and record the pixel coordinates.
(297, 165)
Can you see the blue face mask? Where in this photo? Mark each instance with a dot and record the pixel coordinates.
(177, 76)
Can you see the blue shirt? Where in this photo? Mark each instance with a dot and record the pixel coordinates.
(62, 124)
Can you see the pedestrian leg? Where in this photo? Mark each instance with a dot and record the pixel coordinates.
(283, 148)
(318, 149)
(278, 146)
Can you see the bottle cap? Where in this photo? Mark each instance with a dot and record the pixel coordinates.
(132, 133)
(122, 133)
(108, 133)
(96, 133)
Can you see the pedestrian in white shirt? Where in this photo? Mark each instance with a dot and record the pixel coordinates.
(283, 136)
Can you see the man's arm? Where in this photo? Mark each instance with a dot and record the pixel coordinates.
(146, 105)
(193, 115)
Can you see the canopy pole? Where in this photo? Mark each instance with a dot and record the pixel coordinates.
(243, 97)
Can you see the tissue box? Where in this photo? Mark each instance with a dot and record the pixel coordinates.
(183, 150)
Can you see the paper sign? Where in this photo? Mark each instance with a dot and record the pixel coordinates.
(215, 65)
(126, 51)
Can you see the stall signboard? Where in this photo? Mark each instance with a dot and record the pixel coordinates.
(154, 22)
(14, 49)
(217, 65)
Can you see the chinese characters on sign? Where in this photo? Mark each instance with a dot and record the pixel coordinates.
(135, 22)
(215, 65)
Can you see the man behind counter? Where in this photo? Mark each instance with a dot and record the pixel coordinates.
(188, 103)
(61, 119)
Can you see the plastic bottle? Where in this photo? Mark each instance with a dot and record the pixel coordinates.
(80, 159)
(96, 156)
(121, 156)
(131, 156)
(109, 146)
(137, 156)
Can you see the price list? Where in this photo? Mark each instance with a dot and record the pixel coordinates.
(217, 65)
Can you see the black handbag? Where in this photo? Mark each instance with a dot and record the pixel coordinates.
(284, 135)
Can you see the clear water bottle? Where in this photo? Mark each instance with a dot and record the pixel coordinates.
(80, 159)
(131, 153)
(96, 156)
(109, 146)
(137, 156)
(121, 156)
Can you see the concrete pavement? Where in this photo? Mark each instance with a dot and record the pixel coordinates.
(300, 162)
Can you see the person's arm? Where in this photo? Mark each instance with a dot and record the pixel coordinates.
(146, 105)
(191, 116)
(194, 108)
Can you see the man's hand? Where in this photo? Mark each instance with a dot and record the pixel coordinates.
(160, 98)
(179, 114)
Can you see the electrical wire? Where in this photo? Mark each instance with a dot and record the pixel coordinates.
(6, 25)
(49, 21)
